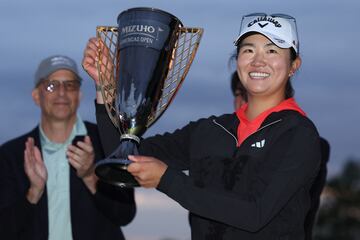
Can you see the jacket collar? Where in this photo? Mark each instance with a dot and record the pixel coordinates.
(231, 121)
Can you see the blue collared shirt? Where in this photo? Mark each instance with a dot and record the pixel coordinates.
(58, 182)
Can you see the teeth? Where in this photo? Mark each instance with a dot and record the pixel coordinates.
(259, 75)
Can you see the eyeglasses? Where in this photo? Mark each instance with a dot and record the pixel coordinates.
(69, 85)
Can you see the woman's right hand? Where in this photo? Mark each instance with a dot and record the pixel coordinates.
(97, 53)
(90, 58)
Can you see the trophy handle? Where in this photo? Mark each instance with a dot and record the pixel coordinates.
(188, 40)
(106, 66)
(183, 55)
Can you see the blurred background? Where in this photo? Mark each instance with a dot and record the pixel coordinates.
(327, 85)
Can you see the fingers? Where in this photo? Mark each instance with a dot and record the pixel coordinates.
(87, 140)
(140, 158)
(91, 50)
(82, 163)
(136, 167)
(147, 170)
(144, 178)
(76, 156)
(34, 166)
(90, 59)
(138, 162)
(29, 154)
(81, 156)
(37, 155)
(32, 154)
(98, 63)
(27, 161)
(30, 146)
(75, 163)
(73, 155)
(85, 146)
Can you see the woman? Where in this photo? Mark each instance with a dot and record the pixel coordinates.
(249, 172)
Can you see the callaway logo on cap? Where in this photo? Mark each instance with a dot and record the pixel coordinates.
(279, 28)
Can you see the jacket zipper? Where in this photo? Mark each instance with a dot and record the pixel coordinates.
(216, 123)
(235, 138)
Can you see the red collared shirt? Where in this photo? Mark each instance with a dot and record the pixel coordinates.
(247, 127)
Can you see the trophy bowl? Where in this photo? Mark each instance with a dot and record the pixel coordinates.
(142, 64)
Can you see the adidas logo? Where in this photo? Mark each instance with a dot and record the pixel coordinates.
(260, 144)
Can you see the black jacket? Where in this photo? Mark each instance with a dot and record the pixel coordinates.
(259, 190)
(93, 217)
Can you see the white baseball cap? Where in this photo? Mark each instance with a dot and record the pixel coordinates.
(279, 28)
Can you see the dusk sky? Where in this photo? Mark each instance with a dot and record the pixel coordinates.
(327, 85)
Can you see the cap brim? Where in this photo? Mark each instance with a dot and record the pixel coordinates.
(274, 39)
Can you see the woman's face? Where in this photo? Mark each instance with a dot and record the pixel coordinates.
(263, 67)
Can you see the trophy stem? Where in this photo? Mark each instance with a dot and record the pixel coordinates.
(113, 169)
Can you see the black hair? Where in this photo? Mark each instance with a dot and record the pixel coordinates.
(289, 90)
(236, 86)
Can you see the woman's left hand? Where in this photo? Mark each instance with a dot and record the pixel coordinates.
(147, 170)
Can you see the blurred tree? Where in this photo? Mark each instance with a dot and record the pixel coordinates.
(339, 213)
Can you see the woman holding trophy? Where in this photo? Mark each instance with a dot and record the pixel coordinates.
(249, 173)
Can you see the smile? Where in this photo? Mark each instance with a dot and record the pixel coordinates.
(259, 75)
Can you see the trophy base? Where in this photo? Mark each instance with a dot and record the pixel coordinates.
(113, 171)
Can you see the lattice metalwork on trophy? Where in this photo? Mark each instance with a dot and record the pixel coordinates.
(186, 47)
(107, 54)
(183, 55)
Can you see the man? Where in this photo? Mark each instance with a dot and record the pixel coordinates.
(48, 189)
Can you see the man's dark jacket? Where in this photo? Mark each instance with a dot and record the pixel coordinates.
(93, 217)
